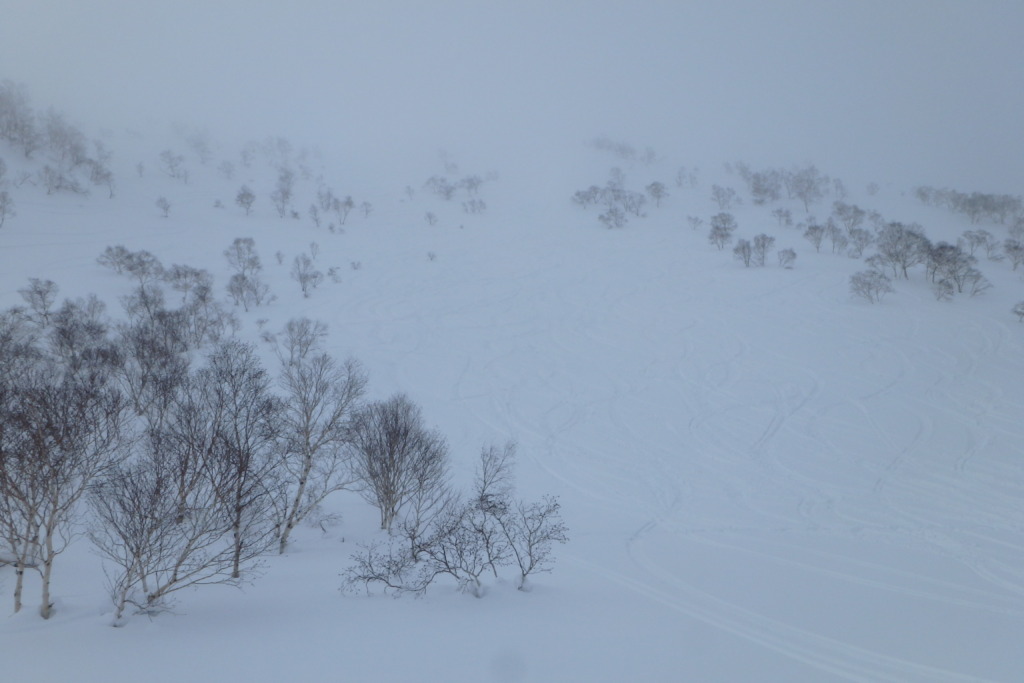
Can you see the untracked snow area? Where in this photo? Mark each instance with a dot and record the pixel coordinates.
(764, 479)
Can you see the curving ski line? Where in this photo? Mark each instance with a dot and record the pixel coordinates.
(825, 654)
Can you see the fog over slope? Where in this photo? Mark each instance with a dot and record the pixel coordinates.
(922, 89)
(764, 477)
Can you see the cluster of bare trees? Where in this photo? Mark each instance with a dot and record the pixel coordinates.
(900, 247)
(72, 163)
(618, 202)
(189, 474)
(440, 531)
(165, 440)
(807, 184)
(976, 206)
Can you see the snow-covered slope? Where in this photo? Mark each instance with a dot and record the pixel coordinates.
(763, 478)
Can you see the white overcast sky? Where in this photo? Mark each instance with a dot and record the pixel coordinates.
(922, 91)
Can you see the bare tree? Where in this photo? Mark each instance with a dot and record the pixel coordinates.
(62, 427)
(245, 286)
(657, 192)
(174, 165)
(613, 217)
(807, 184)
(860, 239)
(1018, 310)
(242, 256)
(321, 395)
(40, 296)
(722, 227)
(245, 199)
(1014, 250)
(850, 215)
(248, 291)
(394, 455)
(342, 207)
(282, 194)
(870, 285)
(164, 206)
(787, 257)
(743, 251)
(159, 542)
(723, 197)
(6, 207)
(815, 234)
(900, 247)
(762, 245)
(466, 538)
(783, 216)
(306, 274)
(244, 459)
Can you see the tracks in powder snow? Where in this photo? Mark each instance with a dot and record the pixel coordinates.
(857, 464)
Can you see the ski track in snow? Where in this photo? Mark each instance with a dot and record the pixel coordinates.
(722, 447)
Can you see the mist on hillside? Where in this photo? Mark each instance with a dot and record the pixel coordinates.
(921, 92)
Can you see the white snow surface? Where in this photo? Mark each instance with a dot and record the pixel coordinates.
(763, 478)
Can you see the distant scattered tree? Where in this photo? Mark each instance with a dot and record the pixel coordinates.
(657, 192)
(1014, 250)
(686, 177)
(441, 187)
(431, 218)
(762, 245)
(743, 251)
(815, 234)
(342, 207)
(614, 217)
(174, 165)
(367, 208)
(695, 222)
(722, 227)
(282, 194)
(1018, 310)
(164, 206)
(724, 197)
(850, 216)
(245, 199)
(6, 207)
(474, 206)
(806, 184)
(787, 257)
(764, 186)
(39, 296)
(870, 285)
(783, 216)
(900, 247)
(248, 291)
(306, 274)
(837, 237)
(18, 120)
(860, 239)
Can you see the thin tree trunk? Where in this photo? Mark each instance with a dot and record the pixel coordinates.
(46, 609)
(293, 511)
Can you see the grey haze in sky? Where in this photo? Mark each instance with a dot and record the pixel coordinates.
(920, 92)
